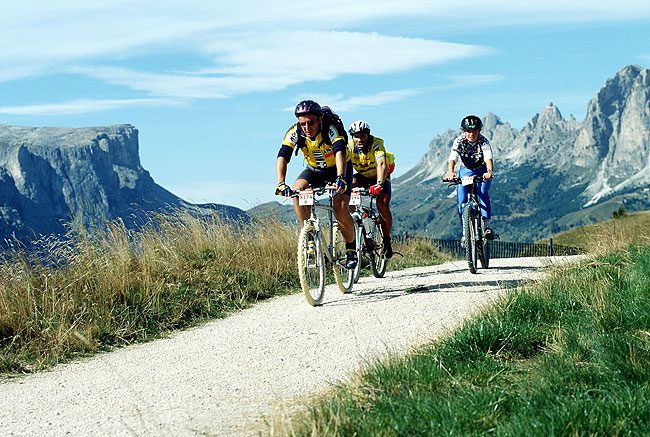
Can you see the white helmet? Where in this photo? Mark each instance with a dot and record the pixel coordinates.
(359, 126)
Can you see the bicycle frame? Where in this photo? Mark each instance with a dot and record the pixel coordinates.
(307, 197)
(313, 254)
(369, 241)
(476, 246)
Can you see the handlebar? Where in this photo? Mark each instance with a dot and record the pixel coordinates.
(458, 180)
(362, 191)
(329, 187)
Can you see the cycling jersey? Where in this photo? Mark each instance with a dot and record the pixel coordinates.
(471, 155)
(365, 162)
(318, 153)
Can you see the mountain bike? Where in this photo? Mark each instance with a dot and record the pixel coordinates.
(321, 245)
(477, 247)
(368, 233)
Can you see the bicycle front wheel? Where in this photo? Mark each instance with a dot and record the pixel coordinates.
(311, 265)
(485, 254)
(469, 232)
(358, 238)
(378, 261)
(344, 277)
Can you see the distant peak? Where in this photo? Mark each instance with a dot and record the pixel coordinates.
(630, 70)
(551, 111)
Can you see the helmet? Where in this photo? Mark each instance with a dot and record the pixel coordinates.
(359, 126)
(471, 122)
(307, 107)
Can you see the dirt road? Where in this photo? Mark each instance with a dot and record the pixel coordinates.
(223, 377)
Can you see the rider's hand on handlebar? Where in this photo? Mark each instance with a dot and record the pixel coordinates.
(376, 189)
(450, 177)
(341, 184)
(488, 175)
(283, 190)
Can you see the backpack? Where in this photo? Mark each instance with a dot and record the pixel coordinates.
(330, 118)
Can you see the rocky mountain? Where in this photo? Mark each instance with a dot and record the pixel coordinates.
(48, 175)
(553, 174)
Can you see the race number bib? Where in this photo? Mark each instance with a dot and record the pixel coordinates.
(467, 180)
(306, 197)
(355, 198)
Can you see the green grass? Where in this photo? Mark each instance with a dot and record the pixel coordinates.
(569, 356)
(115, 287)
(629, 228)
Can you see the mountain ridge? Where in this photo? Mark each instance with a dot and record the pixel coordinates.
(558, 172)
(50, 175)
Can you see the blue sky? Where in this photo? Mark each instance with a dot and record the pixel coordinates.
(211, 86)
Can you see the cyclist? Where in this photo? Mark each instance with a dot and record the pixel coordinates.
(475, 154)
(368, 157)
(324, 150)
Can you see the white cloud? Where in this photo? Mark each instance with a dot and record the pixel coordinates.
(83, 106)
(274, 62)
(475, 79)
(354, 103)
(47, 35)
(243, 46)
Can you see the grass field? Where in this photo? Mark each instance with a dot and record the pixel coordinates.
(628, 228)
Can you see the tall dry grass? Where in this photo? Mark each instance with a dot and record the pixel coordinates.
(114, 286)
(117, 286)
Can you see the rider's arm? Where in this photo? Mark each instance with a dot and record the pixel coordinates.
(450, 169)
(454, 156)
(490, 169)
(285, 152)
(341, 162)
(281, 168)
(339, 147)
(487, 156)
(381, 169)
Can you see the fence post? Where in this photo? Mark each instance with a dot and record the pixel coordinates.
(550, 247)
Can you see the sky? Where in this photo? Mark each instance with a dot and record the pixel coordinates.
(211, 85)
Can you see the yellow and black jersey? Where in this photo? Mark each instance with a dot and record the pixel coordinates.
(365, 163)
(318, 153)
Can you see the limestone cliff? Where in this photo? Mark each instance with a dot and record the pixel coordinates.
(48, 175)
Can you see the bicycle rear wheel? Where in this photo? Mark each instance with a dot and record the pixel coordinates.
(344, 277)
(469, 232)
(378, 261)
(311, 265)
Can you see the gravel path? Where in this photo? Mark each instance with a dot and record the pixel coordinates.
(223, 377)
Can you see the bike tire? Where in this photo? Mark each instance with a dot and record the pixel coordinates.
(311, 265)
(485, 254)
(344, 277)
(358, 237)
(378, 261)
(484, 246)
(469, 231)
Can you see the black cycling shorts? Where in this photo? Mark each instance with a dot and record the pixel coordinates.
(319, 178)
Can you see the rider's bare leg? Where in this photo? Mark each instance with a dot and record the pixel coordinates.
(342, 213)
(383, 206)
(302, 212)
